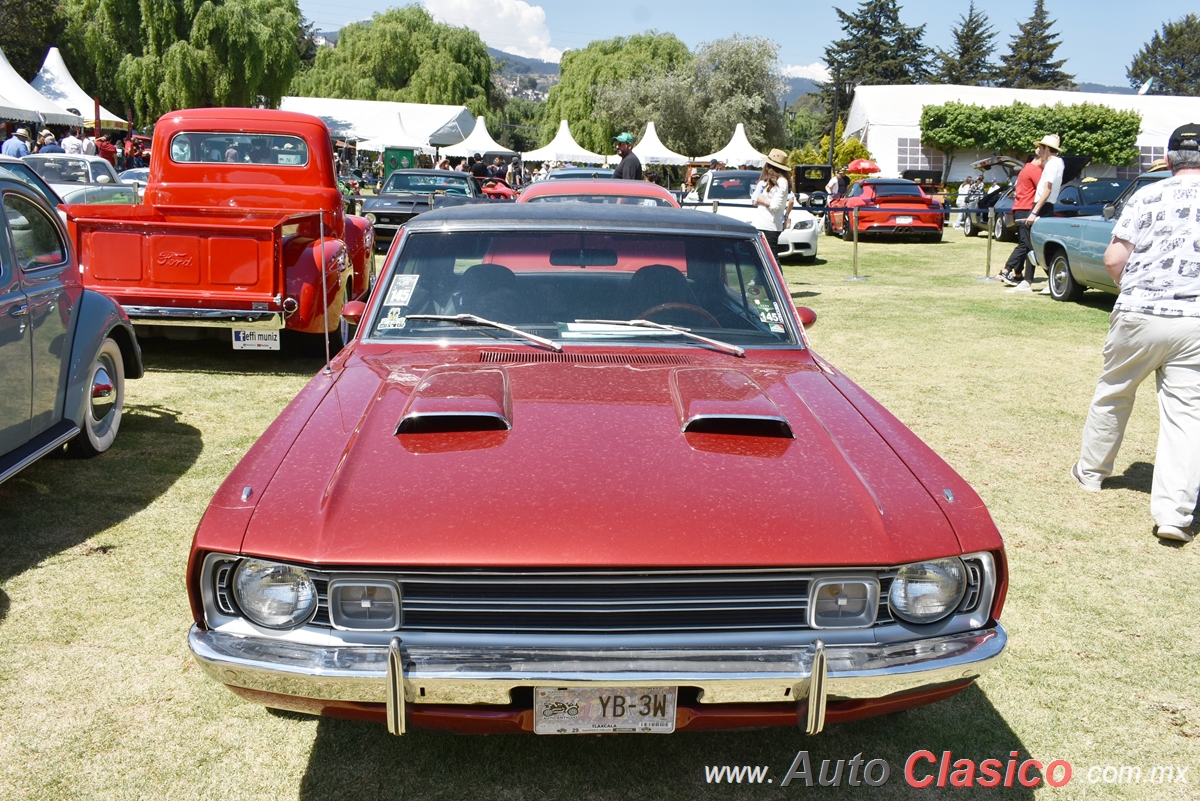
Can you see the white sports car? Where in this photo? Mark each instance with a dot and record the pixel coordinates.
(727, 192)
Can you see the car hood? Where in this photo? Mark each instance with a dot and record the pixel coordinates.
(587, 463)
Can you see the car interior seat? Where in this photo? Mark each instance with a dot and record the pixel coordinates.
(488, 290)
(655, 285)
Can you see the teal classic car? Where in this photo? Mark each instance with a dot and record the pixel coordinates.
(1071, 249)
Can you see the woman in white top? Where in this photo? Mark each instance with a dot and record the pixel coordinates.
(771, 197)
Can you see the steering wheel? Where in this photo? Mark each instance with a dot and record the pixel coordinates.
(684, 307)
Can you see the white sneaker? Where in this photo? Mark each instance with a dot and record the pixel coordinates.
(1077, 474)
(1021, 287)
(1174, 533)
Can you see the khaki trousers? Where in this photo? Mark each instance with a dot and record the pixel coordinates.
(1168, 347)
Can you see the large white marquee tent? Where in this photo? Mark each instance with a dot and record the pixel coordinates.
(379, 124)
(20, 101)
(651, 150)
(887, 119)
(480, 141)
(54, 82)
(563, 147)
(739, 151)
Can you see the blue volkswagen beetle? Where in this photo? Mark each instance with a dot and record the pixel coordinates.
(65, 351)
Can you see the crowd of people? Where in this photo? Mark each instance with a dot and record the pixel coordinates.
(124, 152)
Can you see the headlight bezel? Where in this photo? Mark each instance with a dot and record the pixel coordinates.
(948, 607)
(251, 607)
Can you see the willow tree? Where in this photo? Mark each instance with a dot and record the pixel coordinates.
(172, 54)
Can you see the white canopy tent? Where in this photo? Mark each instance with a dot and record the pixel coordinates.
(563, 147)
(54, 82)
(887, 119)
(651, 150)
(480, 141)
(738, 151)
(20, 101)
(379, 124)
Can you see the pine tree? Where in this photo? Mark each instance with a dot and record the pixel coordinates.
(877, 49)
(1172, 59)
(969, 62)
(1029, 63)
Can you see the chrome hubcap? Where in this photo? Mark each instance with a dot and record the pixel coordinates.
(104, 393)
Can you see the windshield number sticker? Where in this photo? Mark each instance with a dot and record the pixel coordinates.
(401, 290)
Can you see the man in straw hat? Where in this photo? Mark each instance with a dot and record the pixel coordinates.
(630, 167)
(1154, 258)
(16, 145)
(1049, 186)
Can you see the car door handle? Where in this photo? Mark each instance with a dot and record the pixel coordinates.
(1074, 225)
(18, 311)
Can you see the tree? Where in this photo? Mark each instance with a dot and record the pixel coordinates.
(969, 62)
(697, 105)
(27, 30)
(584, 73)
(403, 55)
(877, 49)
(516, 127)
(158, 55)
(1171, 58)
(951, 127)
(846, 150)
(1029, 62)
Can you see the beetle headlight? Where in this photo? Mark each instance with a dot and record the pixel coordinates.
(925, 592)
(274, 595)
(370, 215)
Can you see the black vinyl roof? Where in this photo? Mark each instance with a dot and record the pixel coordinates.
(577, 216)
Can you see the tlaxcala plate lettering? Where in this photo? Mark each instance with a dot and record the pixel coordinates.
(255, 340)
(601, 710)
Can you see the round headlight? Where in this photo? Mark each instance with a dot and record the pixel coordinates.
(925, 592)
(370, 216)
(274, 595)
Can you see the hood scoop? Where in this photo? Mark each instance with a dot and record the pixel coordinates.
(725, 401)
(455, 399)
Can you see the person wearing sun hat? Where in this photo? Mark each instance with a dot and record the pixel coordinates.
(1154, 330)
(1048, 188)
(16, 145)
(630, 167)
(771, 196)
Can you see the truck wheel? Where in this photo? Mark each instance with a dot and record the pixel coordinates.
(106, 397)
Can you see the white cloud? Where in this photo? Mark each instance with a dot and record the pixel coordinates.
(815, 71)
(513, 26)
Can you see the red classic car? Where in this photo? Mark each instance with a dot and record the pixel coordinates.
(887, 206)
(580, 472)
(598, 190)
(242, 232)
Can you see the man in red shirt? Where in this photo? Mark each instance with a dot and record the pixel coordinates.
(106, 150)
(1018, 268)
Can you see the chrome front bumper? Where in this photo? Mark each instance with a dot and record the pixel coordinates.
(398, 674)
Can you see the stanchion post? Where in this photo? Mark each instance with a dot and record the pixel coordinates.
(856, 276)
(991, 227)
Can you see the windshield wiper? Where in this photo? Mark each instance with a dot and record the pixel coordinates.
(687, 332)
(471, 319)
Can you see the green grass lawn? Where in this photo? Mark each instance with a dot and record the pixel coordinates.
(99, 697)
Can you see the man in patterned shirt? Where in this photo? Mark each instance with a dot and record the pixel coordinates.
(1155, 328)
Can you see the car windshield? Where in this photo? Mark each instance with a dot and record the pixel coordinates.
(427, 184)
(61, 169)
(23, 172)
(897, 189)
(732, 185)
(633, 200)
(1102, 191)
(580, 172)
(559, 286)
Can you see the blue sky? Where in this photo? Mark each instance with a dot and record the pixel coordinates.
(1097, 37)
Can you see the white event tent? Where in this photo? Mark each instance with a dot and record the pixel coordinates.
(887, 119)
(651, 150)
(563, 147)
(378, 124)
(480, 141)
(738, 151)
(20, 101)
(54, 82)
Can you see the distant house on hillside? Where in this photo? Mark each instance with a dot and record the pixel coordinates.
(887, 119)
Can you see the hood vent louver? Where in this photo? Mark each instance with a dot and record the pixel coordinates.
(513, 357)
(740, 426)
(451, 400)
(724, 401)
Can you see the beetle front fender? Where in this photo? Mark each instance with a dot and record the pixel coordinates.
(97, 317)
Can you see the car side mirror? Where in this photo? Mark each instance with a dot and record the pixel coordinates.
(352, 312)
(1110, 212)
(103, 179)
(807, 316)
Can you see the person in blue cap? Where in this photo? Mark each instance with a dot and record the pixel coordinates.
(630, 167)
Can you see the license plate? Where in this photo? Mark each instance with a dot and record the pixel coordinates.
(255, 340)
(904, 221)
(600, 710)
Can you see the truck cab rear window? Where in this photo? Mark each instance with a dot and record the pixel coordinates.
(276, 150)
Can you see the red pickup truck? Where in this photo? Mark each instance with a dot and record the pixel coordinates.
(241, 228)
